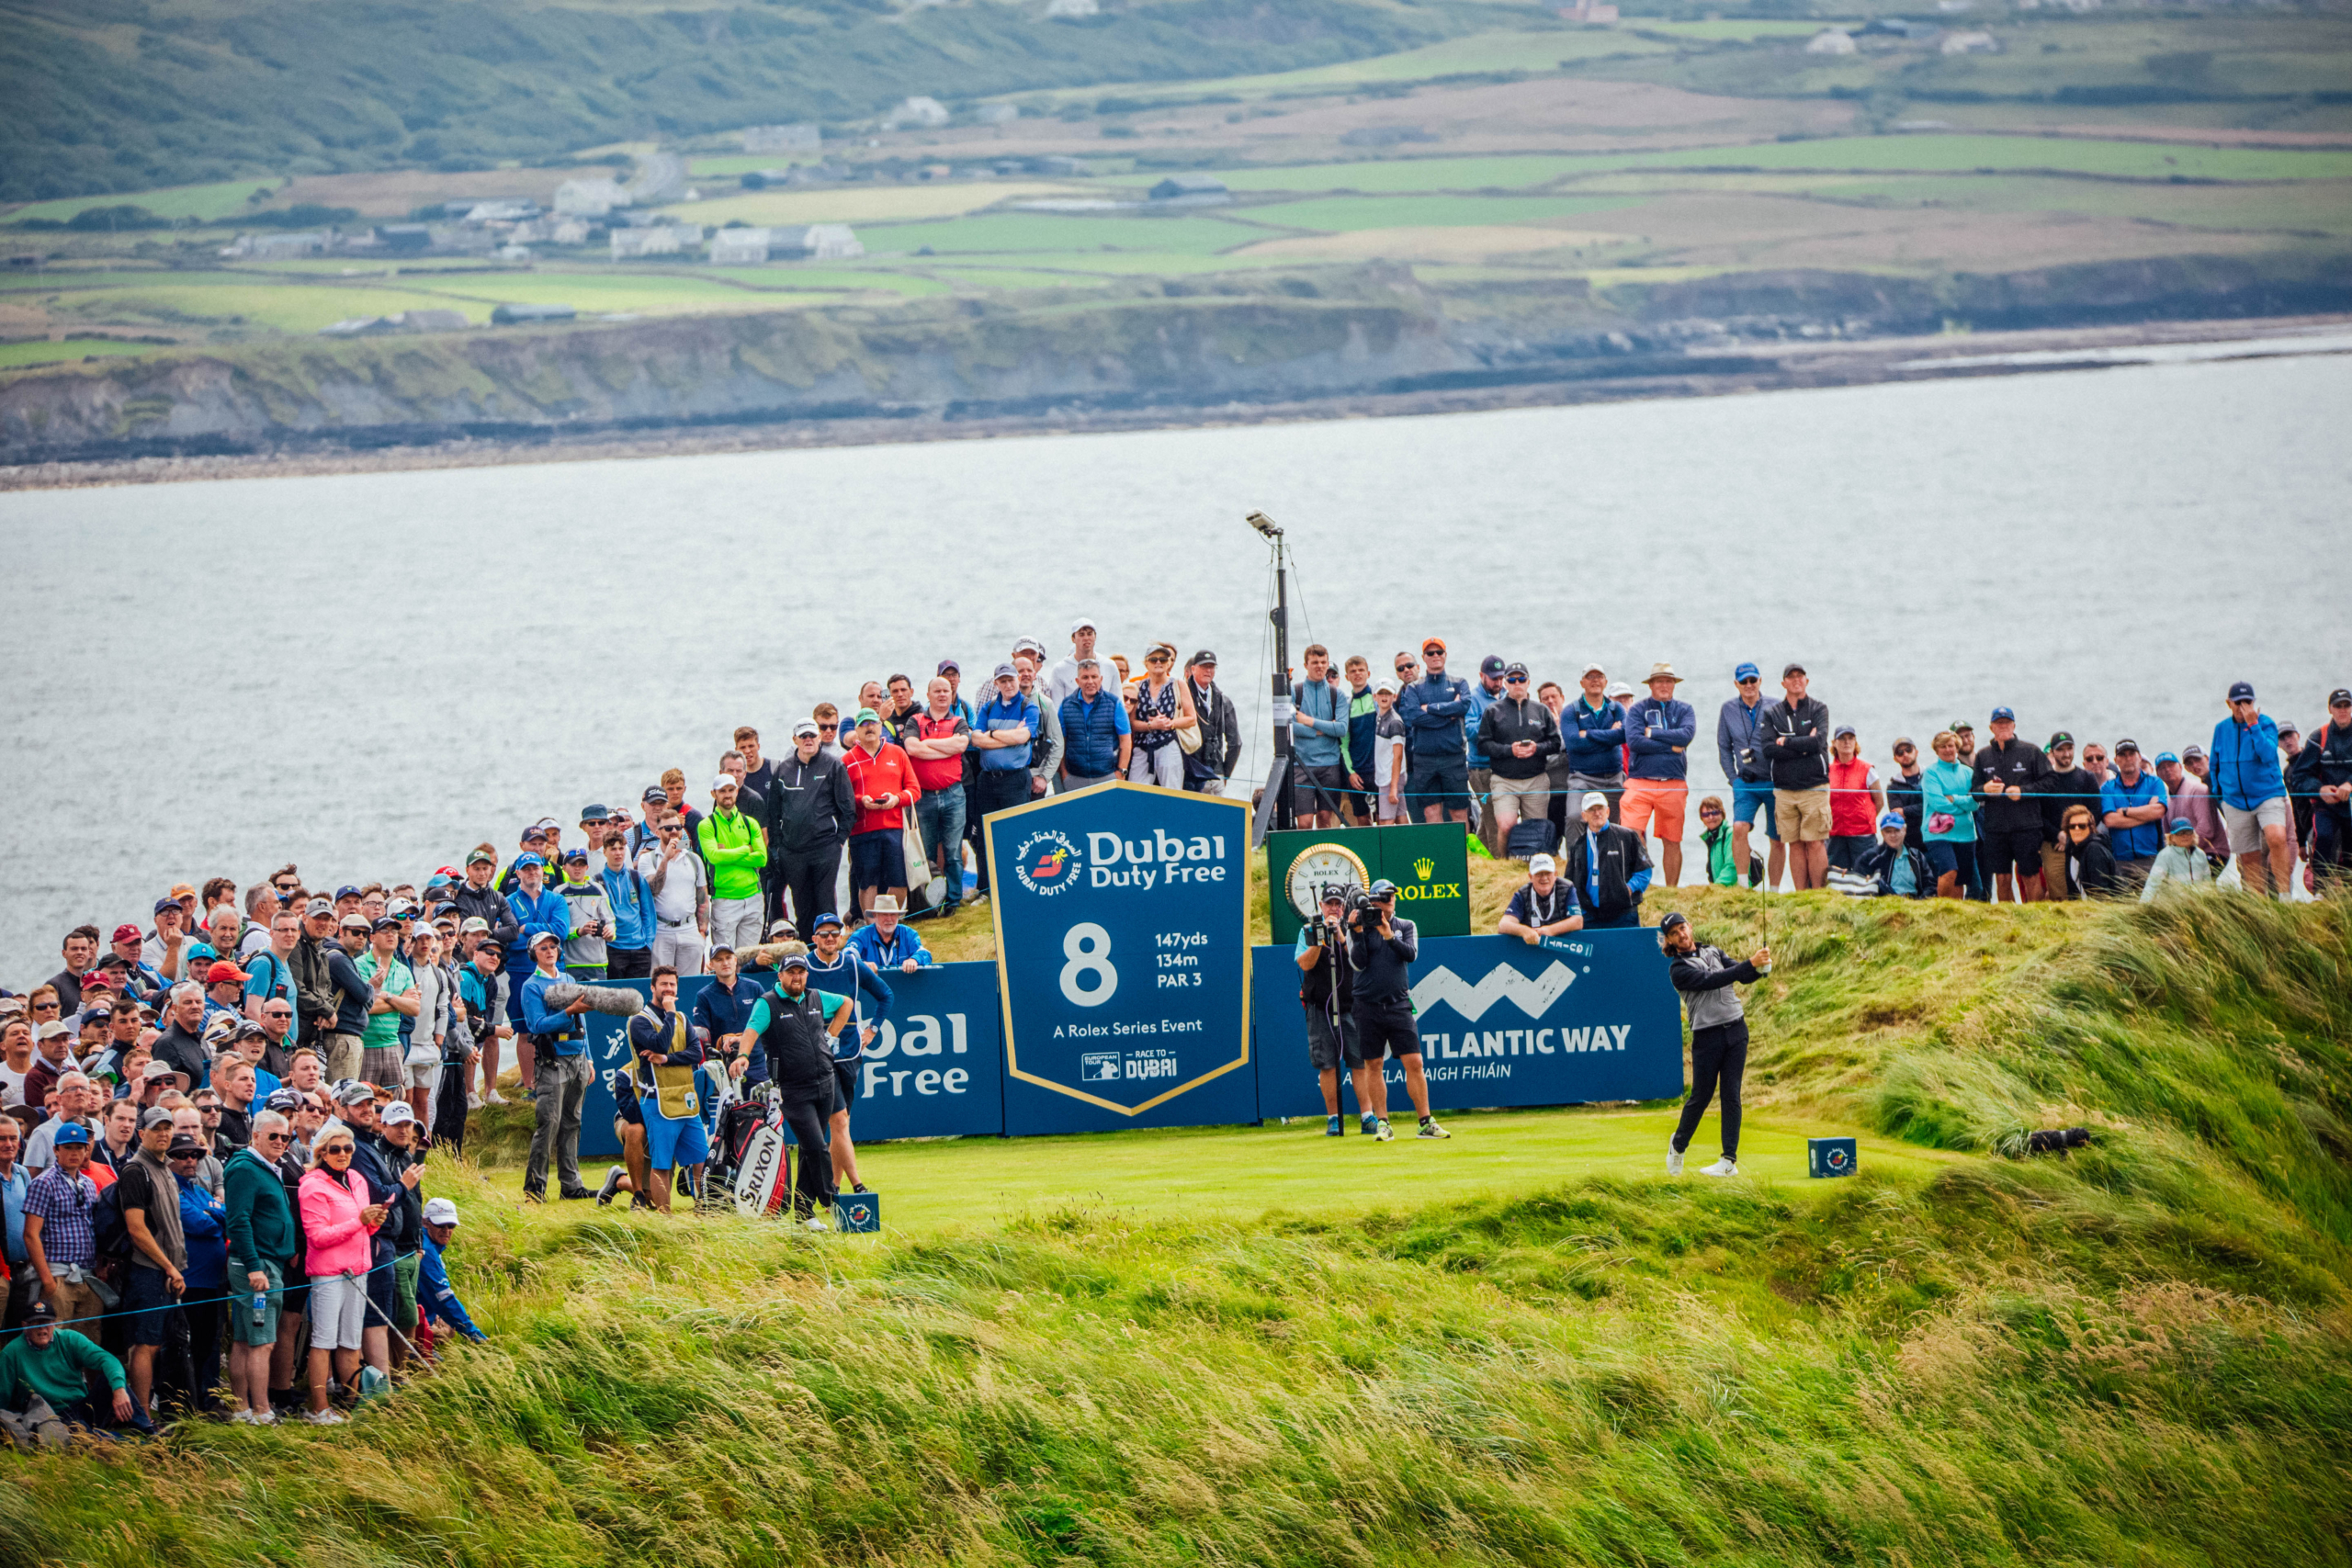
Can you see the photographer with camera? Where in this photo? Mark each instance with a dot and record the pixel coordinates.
(1327, 993)
(1382, 945)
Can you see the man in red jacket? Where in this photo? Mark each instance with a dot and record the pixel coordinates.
(882, 779)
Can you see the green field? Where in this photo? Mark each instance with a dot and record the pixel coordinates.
(224, 199)
(14, 356)
(1386, 176)
(1343, 214)
(1933, 153)
(1525, 1344)
(1006, 232)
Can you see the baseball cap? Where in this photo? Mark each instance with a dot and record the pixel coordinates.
(1956, 725)
(2242, 691)
(1593, 668)
(185, 1146)
(654, 796)
(71, 1133)
(1891, 819)
(1432, 644)
(1792, 668)
(2287, 727)
(722, 946)
(204, 950)
(724, 781)
(482, 857)
(594, 814)
(807, 729)
(545, 937)
(1842, 732)
(1591, 799)
(1747, 671)
(398, 1111)
(2127, 744)
(222, 970)
(317, 907)
(1672, 918)
(354, 922)
(2196, 751)
(1387, 685)
(154, 1116)
(946, 665)
(575, 853)
(1384, 888)
(1515, 668)
(2181, 825)
(1620, 689)
(386, 923)
(163, 904)
(1001, 673)
(547, 825)
(2167, 757)
(783, 928)
(1543, 862)
(283, 1101)
(55, 1029)
(794, 961)
(1490, 665)
(1031, 645)
(825, 918)
(2058, 740)
(345, 891)
(474, 923)
(867, 716)
(1205, 656)
(183, 890)
(352, 1091)
(1083, 624)
(126, 932)
(2339, 696)
(2008, 714)
(440, 1212)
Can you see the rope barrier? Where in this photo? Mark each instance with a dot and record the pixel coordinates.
(230, 1296)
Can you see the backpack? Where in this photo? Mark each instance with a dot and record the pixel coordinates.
(109, 1237)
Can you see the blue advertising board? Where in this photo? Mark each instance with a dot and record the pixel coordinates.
(934, 1068)
(1586, 1017)
(1123, 959)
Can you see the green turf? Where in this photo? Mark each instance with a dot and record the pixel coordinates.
(1379, 176)
(1346, 214)
(286, 306)
(15, 355)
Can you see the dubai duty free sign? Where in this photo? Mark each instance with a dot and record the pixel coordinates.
(1123, 958)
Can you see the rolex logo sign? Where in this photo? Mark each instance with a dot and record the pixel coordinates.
(1422, 888)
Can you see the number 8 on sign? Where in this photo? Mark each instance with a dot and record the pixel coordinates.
(1089, 979)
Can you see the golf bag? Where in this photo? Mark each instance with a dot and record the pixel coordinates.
(739, 1121)
(1536, 836)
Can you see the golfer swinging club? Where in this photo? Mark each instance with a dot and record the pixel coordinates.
(1718, 1035)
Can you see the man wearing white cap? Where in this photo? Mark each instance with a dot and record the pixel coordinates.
(1062, 680)
(1544, 905)
(438, 1302)
(1607, 867)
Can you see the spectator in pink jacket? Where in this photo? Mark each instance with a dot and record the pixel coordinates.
(337, 1223)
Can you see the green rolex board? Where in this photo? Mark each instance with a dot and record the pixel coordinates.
(1430, 863)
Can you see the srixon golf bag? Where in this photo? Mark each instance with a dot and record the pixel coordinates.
(748, 1158)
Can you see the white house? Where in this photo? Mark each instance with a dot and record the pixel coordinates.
(1831, 40)
(920, 111)
(816, 242)
(739, 247)
(588, 198)
(662, 240)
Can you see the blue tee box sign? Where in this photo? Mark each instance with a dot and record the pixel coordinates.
(1581, 1018)
(1830, 1156)
(858, 1211)
(1123, 957)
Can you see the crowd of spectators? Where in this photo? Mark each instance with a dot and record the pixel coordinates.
(219, 1116)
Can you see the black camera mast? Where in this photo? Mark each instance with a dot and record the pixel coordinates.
(1274, 811)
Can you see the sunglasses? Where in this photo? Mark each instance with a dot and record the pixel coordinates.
(271, 1137)
(824, 728)
(45, 1007)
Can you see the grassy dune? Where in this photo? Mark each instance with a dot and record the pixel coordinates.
(2136, 1354)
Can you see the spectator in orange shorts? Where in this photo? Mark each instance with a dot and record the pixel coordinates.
(1658, 732)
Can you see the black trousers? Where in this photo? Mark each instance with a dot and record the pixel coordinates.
(1718, 1056)
(996, 792)
(806, 1113)
(809, 880)
(628, 963)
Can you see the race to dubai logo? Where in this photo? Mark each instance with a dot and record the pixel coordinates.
(1046, 862)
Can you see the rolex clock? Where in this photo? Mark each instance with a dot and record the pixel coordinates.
(1319, 866)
